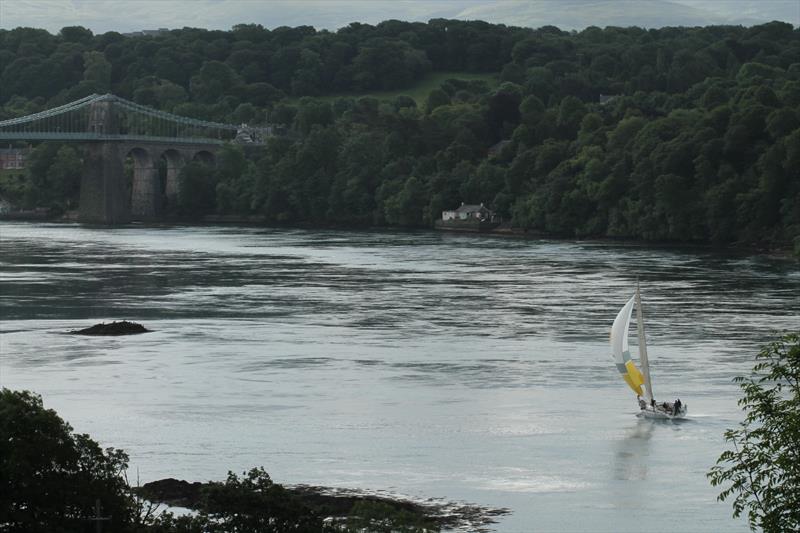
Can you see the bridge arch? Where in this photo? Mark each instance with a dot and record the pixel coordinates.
(174, 160)
(204, 156)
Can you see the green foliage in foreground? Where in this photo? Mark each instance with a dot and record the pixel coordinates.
(50, 479)
(254, 503)
(762, 472)
(377, 517)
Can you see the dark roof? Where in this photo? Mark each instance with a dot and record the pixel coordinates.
(496, 147)
(471, 208)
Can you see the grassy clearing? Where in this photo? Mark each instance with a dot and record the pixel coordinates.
(419, 92)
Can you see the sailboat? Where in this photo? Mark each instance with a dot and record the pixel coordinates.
(639, 381)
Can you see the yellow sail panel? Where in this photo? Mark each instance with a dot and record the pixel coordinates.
(636, 388)
(636, 376)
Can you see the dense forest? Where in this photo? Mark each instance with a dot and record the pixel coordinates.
(672, 134)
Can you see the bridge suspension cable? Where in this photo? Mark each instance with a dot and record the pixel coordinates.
(77, 104)
(109, 117)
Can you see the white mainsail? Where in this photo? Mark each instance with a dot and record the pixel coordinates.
(622, 355)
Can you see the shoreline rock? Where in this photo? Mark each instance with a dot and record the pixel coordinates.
(337, 503)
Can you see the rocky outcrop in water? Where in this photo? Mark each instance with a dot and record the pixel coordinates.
(122, 327)
(173, 492)
(338, 503)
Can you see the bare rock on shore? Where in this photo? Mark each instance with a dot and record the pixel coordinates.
(174, 492)
(337, 503)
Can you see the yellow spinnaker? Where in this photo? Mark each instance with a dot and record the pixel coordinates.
(634, 377)
(636, 388)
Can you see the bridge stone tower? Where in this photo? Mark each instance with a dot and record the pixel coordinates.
(101, 118)
(104, 197)
(107, 195)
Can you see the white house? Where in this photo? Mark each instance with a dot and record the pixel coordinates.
(469, 212)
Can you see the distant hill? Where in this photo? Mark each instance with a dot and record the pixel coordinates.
(565, 14)
(334, 14)
(578, 14)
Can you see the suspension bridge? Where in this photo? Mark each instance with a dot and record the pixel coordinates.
(113, 129)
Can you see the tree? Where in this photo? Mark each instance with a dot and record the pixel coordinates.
(405, 207)
(234, 177)
(64, 175)
(763, 469)
(379, 517)
(198, 186)
(76, 34)
(311, 112)
(97, 71)
(213, 81)
(252, 504)
(504, 106)
(436, 98)
(51, 477)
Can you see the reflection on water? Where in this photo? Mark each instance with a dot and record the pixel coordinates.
(460, 367)
(632, 452)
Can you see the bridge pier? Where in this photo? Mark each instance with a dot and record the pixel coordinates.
(109, 197)
(175, 162)
(104, 192)
(145, 193)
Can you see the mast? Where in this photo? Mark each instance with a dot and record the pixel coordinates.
(643, 344)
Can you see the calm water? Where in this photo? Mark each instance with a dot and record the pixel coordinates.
(434, 366)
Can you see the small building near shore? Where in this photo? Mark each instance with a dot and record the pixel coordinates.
(496, 149)
(606, 98)
(468, 217)
(13, 158)
(469, 212)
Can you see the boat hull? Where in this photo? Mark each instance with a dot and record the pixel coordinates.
(659, 414)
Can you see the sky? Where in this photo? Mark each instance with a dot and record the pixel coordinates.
(133, 15)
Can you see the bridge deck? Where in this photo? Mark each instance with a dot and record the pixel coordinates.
(88, 136)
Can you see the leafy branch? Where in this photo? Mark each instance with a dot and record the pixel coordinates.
(762, 471)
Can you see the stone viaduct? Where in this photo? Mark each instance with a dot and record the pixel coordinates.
(114, 130)
(107, 196)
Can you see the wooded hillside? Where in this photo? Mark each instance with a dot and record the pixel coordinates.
(699, 140)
